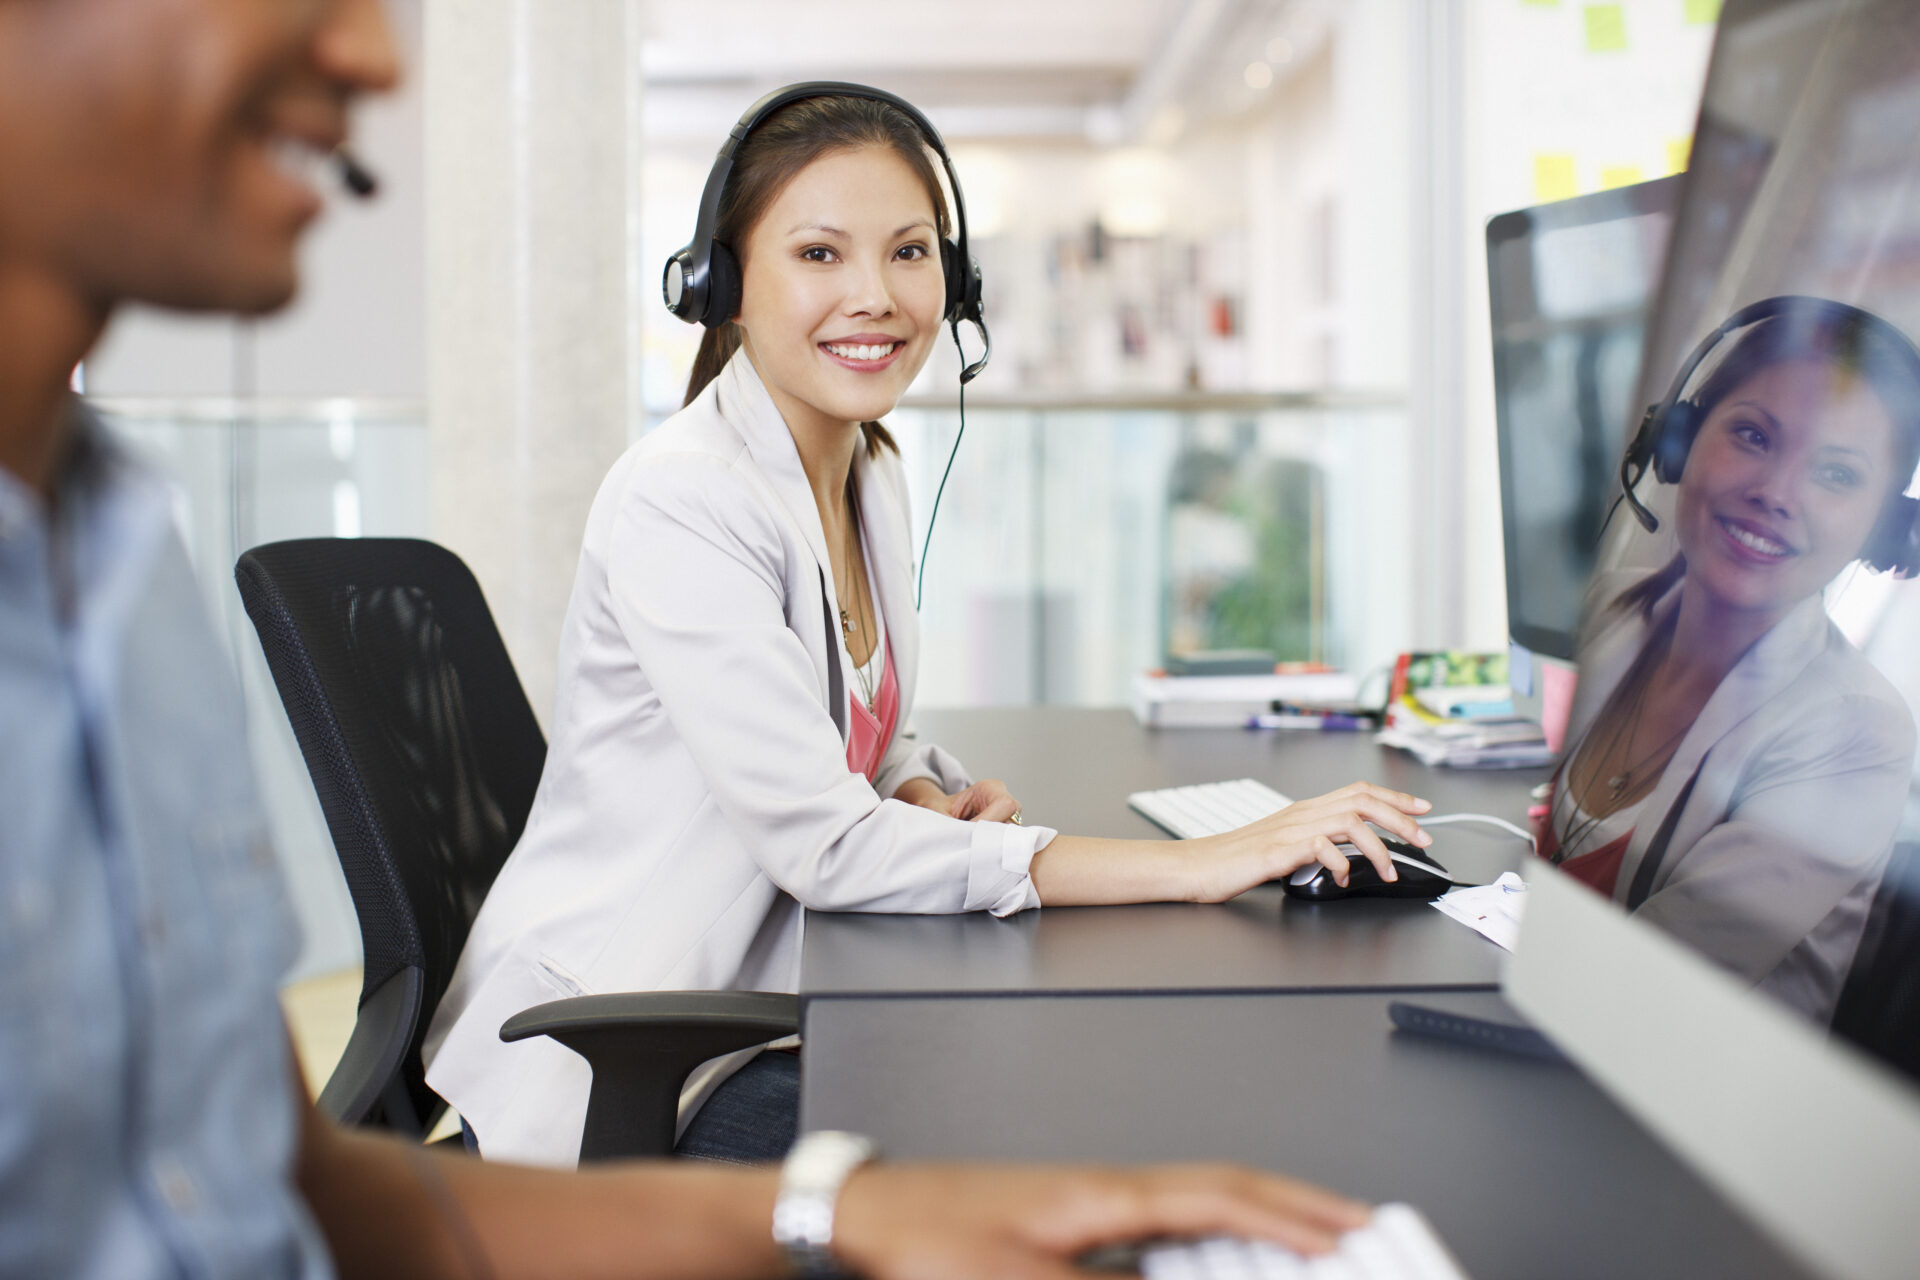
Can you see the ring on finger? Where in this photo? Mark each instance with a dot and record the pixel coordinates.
(1015, 819)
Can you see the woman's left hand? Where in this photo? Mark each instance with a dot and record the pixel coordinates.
(987, 800)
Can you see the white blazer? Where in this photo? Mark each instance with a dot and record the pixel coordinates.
(696, 793)
(1766, 836)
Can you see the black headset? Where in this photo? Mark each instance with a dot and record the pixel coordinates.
(1668, 428)
(702, 281)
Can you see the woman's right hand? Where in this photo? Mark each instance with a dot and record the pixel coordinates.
(1083, 871)
(1309, 831)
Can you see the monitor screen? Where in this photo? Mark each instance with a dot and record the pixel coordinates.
(1570, 284)
(1740, 761)
(1734, 821)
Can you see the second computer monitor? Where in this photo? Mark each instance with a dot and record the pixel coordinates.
(1570, 286)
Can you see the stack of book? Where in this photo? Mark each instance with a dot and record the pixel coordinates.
(1455, 709)
(1231, 701)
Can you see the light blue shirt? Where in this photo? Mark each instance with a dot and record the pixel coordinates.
(147, 1123)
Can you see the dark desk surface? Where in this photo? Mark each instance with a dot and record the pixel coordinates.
(1073, 769)
(1525, 1168)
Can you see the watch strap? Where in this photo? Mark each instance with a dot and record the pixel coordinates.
(810, 1180)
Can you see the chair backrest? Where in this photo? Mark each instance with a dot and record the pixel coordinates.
(1879, 1007)
(421, 745)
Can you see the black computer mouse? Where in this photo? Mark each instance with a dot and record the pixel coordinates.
(1420, 876)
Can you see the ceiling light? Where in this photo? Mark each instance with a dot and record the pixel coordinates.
(1259, 75)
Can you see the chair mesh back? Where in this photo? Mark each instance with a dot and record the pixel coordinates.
(415, 730)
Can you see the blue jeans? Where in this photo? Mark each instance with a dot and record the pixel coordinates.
(753, 1117)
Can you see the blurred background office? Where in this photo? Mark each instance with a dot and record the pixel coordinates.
(1241, 392)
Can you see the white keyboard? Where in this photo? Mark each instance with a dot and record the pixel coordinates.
(1209, 808)
(1397, 1245)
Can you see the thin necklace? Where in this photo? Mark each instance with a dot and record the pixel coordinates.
(1634, 773)
(1628, 777)
(848, 625)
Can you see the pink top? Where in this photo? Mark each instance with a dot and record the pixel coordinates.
(871, 732)
(1596, 868)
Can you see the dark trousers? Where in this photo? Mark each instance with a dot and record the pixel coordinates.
(751, 1119)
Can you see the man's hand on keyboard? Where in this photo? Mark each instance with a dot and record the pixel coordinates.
(1309, 830)
(926, 1222)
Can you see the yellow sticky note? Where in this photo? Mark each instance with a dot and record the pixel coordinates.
(1679, 151)
(1540, 4)
(1606, 28)
(1618, 175)
(1553, 178)
(1703, 13)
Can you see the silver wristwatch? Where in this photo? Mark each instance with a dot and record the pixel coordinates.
(810, 1182)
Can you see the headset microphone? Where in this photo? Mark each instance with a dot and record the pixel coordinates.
(359, 180)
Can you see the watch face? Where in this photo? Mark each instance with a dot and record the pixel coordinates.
(810, 1182)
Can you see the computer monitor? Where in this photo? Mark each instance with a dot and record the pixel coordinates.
(1758, 917)
(1570, 284)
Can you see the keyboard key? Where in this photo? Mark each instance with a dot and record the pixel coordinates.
(1208, 808)
(1397, 1245)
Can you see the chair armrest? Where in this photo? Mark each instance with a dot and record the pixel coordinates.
(642, 1045)
(368, 1073)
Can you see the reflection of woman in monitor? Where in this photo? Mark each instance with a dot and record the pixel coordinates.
(1736, 768)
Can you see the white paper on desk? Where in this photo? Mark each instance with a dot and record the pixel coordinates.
(1491, 910)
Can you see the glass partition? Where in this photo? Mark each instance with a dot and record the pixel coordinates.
(1080, 541)
(254, 472)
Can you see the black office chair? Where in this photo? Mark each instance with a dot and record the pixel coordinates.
(1879, 1007)
(425, 756)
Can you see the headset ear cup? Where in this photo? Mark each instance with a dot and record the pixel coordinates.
(1673, 439)
(723, 287)
(1894, 545)
(954, 272)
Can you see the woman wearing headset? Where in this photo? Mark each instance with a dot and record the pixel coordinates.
(731, 732)
(1738, 767)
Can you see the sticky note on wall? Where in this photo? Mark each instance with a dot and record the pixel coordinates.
(1679, 151)
(1701, 13)
(1553, 177)
(1606, 28)
(1618, 175)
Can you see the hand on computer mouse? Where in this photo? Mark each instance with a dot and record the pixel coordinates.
(1313, 830)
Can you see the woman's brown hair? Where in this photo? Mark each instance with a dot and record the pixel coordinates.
(779, 147)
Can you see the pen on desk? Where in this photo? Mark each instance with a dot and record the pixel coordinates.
(1293, 720)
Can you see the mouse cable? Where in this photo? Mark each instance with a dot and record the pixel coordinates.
(920, 584)
(1443, 819)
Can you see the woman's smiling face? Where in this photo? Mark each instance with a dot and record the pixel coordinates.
(841, 288)
(1785, 480)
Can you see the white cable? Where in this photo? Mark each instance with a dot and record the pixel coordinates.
(1443, 819)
